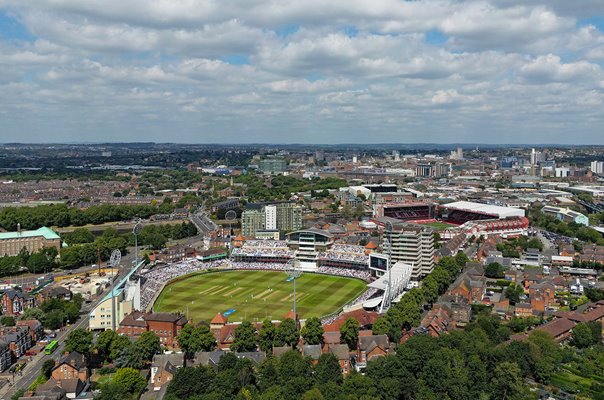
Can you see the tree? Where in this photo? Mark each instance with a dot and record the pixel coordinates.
(148, 344)
(245, 338)
(7, 320)
(266, 336)
(53, 319)
(494, 270)
(583, 335)
(130, 380)
(118, 345)
(514, 292)
(349, 333)
(328, 369)
(202, 339)
(312, 332)
(313, 394)
(507, 382)
(47, 367)
(104, 341)
(189, 382)
(287, 333)
(79, 340)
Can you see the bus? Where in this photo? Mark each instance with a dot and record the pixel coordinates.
(50, 347)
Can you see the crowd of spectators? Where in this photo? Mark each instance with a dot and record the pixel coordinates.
(350, 273)
(258, 265)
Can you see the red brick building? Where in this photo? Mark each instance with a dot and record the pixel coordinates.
(166, 326)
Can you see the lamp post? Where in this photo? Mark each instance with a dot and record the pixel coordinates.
(114, 260)
(292, 269)
(390, 230)
(138, 227)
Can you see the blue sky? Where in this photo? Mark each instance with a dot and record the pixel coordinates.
(285, 71)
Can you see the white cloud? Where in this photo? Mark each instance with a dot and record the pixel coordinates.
(281, 70)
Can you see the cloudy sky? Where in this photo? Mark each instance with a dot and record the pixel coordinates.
(308, 71)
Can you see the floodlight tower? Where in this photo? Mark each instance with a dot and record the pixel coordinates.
(114, 260)
(292, 269)
(230, 216)
(390, 231)
(137, 231)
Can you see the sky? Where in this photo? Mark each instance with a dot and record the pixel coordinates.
(308, 71)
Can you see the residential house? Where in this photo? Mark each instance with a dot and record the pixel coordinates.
(14, 302)
(54, 292)
(163, 368)
(6, 358)
(370, 348)
(36, 330)
(71, 374)
(468, 288)
(313, 351)
(542, 296)
(212, 358)
(18, 339)
(342, 353)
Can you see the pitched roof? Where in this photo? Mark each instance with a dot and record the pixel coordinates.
(75, 359)
(164, 317)
(368, 343)
(47, 233)
(219, 319)
(312, 350)
(341, 351)
(558, 326)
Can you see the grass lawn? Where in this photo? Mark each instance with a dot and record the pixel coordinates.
(439, 225)
(256, 295)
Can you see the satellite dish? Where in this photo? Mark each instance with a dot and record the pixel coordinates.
(137, 228)
(116, 257)
(230, 215)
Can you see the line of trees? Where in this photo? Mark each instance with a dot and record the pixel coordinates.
(407, 313)
(61, 215)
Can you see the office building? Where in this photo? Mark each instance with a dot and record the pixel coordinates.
(258, 219)
(412, 244)
(272, 165)
(566, 215)
(423, 170)
(11, 243)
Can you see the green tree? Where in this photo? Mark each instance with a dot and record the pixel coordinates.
(349, 333)
(287, 333)
(245, 338)
(266, 336)
(514, 292)
(130, 380)
(328, 369)
(190, 382)
(507, 382)
(313, 394)
(312, 332)
(582, 336)
(494, 270)
(148, 345)
(7, 320)
(79, 340)
(47, 367)
(104, 341)
(118, 345)
(202, 339)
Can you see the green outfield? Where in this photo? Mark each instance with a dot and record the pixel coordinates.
(257, 295)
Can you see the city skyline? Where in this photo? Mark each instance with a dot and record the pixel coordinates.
(285, 72)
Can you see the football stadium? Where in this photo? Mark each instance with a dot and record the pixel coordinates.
(256, 295)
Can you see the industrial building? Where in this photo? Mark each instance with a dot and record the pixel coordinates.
(566, 215)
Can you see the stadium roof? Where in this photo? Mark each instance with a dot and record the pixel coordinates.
(44, 231)
(400, 271)
(119, 286)
(501, 212)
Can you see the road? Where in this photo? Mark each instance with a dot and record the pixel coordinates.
(34, 367)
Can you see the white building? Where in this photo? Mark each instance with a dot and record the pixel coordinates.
(597, 167)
